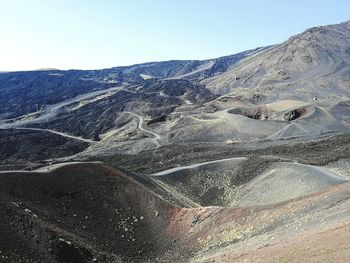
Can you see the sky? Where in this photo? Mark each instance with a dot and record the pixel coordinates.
(94, 34)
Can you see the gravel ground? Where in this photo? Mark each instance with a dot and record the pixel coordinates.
(315, 152)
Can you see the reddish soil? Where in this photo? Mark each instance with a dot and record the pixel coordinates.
(94, 213)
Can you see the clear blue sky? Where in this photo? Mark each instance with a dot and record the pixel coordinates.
(90, 34)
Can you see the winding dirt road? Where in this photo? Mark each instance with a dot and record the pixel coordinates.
(52, 110)
(156, 136)
(179, 168)
(47, 168)
(58, 133)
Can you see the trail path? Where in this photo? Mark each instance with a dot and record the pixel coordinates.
(156, 136)
(47, 168)
(58, 133)
(179, 168)
(52, 110)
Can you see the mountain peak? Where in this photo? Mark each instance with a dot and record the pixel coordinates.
(305, 59)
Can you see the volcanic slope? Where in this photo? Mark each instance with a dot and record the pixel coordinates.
(313, 63)
(86, 212)
(30, 91)
(278, 205)
(299, 88)
(24, 146)
(81, 213)
(307, 97)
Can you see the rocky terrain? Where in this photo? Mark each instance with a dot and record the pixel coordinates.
(243, 158)
(20, 146)
(34, 90)
(312, 64)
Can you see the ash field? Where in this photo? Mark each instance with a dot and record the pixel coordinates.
(243, 158)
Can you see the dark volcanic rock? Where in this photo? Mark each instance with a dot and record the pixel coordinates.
(79, 213)
(152, 98)
(160, 118)
(20, 146)
(177, 88)
(24, 92)
(292, 115)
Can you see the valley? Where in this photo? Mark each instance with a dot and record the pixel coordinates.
(242, 158)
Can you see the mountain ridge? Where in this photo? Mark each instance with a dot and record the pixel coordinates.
(57, 85)
(181, 161)
(289, 62)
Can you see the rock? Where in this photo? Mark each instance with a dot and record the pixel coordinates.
(195, 219)
(292, 115)
(160, 118)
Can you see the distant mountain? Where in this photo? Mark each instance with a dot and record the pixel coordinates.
(222, 160)
(308, 76)
(189, 69)
(24, 92)
(313, 64)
